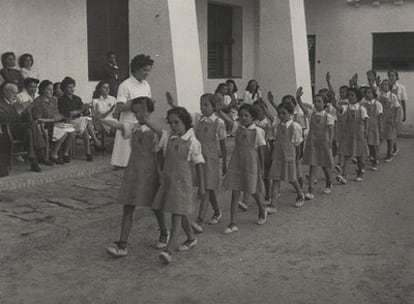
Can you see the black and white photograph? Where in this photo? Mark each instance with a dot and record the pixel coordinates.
(206, 152)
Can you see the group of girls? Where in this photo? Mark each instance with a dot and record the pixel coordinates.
(165, 165)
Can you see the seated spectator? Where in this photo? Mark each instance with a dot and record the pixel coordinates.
(9, 73)
(26, 64)
(111, 73)
(25, 98)
(30, 132)
(62, 134)
(104, 104)
(77, 113)
(252, 92)
(57, 91)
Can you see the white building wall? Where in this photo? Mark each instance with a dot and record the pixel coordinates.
(344, 40)
(54, 32)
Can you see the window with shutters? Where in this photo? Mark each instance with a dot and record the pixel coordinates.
(224, 58)
(108, 30)
(393, 51)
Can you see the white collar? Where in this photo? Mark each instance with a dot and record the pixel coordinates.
(354, 106)
(136, 81)
(287, 124)
(320, 113)
(250, 127)
(186, 136)
(213, 117)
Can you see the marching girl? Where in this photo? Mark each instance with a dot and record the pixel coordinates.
(318, 147)
(245, 171)
(210, 130)
(141, 179)
(391, 108)
(181, 151)
(374, 131)
(339, 127)
(353, 142)
(288, 137)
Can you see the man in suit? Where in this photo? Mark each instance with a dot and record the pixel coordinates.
(30, 132)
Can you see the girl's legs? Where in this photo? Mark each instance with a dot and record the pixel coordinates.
(126, 225)
(267, 183)
(360, 166)
(390, 144)
(260, 204)
(309, 195)
(299, 173)
(185, 223)
(87, 143)
(214, 203)
(342, 177)
(328, 186)
(175, 224)
(203, 207)
(235, 196)
(68, 145)
(243, 203)
(275, 195)
(91, 131)
(159, 215)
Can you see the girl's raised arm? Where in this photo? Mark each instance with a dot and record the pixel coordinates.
(271, 99)
(170, 100)
(333, 96)
(306, 110)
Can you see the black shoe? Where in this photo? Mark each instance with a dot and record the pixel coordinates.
(34, 166)
(66, 158)
(57, 161)
(47, 162)
(89, 157)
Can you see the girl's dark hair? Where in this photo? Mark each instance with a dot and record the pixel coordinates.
(143, 99)
(288, 106)
(257, 88)
(220, 86)
(290, 98)
(140, 61)
(23, 57)
(325, 103)
(395, 72)
(57, 85)
(210, 98)
(373, 72)
(374, 92)
(99, 85)
(234, 85)
(249, 108)
(344, 87)
(67, 81)
(356, 92)
(43, 85)
(29, 80)
(183, 115)
(4, 57)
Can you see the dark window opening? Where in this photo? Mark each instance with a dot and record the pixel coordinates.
(393, 51)
(108, 30)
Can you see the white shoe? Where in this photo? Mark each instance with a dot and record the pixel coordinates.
(262, 220)
(359, 179)
(165, 257)
(342, 180)
(163, 241)
(327, 190)
(197, 228)
(309, 196)
(187, 245)
(215, 219)
(117, 252)
(271, 209)
(300, 201)
(268, 202)
(230, 229)
(243, 206)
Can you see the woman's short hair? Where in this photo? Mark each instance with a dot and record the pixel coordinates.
(140, 61)
(43, 85)
(23, 57)
(234, 85)
(29, 81)
(395, 72)
(4, 58)
(67, 81)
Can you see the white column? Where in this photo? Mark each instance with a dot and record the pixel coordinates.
(283, 50)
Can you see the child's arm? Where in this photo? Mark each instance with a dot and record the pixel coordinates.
(271, 99)
(330, 135)
(333, 96)
(379, 118)
(306, 110)
(223, 149)
(227, 119)
(261, 151)
(170, 100)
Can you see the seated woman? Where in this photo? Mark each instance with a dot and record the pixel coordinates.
(26, 97)
(104, 104)
(76, 113)
(9, 73)
(26, 64)
(57, 91)
(45, 109)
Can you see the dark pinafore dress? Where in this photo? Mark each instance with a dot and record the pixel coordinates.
(244, 172)
(317, 149)
(206, 133)
(175, 194)
(373, 138)
(340, 125)
(141, 179)
(389, 127)
(353, 139)
(284, 155)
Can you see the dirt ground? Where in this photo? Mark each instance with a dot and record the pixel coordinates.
(353, 246)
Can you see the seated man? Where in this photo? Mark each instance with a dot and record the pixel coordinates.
(29, 131)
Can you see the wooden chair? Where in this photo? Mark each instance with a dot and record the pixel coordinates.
(15, 144)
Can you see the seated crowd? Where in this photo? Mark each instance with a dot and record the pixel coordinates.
(46, 116)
